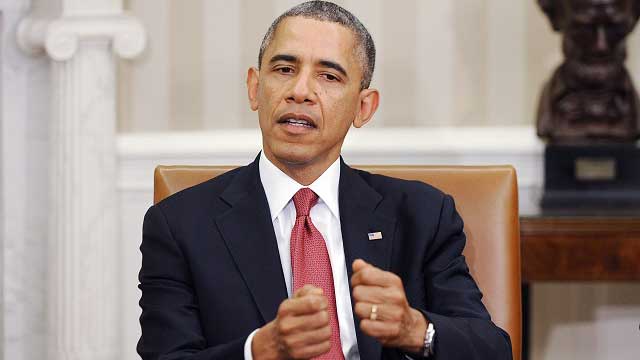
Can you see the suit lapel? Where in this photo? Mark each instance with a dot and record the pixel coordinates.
(248, 233)
(360, 214)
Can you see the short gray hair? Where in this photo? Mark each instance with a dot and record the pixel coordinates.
(330, 12)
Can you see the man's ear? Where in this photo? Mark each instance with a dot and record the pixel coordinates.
(369, 100)
(253, 81)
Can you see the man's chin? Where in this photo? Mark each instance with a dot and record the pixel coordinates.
(295, 155)
(295, 159)
(288, 154)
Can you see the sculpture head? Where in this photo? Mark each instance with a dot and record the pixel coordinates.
(591, 96)
(593, 36)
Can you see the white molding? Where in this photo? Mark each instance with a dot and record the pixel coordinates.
(140, 153)
(446, 140)
(60, 37)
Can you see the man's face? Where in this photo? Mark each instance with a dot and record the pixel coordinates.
(307, 92)
(594, 35)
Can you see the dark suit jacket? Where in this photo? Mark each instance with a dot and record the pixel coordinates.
(211, 271)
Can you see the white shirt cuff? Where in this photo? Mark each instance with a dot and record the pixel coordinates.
(247, 346)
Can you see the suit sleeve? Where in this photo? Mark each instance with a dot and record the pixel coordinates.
(170, 322)
(464, 329)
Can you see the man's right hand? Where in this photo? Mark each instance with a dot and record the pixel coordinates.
(300, 330)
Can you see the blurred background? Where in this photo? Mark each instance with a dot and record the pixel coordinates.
(459, 82)
(439, 63)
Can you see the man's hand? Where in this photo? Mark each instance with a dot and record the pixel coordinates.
(396, 324)
(300, 330)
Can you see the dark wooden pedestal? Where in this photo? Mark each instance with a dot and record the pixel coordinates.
(591, 177)
(589, 248)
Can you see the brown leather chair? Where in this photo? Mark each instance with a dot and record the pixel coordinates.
(486, 198)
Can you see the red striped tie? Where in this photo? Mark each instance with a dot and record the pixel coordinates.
(311, 265)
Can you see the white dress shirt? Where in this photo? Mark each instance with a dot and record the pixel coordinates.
(325, 215)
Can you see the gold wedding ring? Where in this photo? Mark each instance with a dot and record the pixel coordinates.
(374, 313)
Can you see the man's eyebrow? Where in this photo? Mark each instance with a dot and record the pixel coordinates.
(283, 57)
(334, 65)
(326, 63)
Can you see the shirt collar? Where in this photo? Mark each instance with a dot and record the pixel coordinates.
(280, 188)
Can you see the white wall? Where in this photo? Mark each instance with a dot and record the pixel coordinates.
(578, 321)
(24, 191)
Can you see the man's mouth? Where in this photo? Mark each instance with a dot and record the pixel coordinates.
(297, 120)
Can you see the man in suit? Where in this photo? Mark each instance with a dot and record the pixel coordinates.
(298, 255)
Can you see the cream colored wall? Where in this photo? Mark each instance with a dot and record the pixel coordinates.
(462, 62)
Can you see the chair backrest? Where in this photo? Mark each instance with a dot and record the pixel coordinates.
(486, 198)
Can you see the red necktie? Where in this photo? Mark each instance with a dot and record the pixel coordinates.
(311, 265)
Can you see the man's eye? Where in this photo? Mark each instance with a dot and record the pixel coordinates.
(331, 77)
(285, 70)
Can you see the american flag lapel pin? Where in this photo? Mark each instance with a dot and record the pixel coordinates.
(375, 235)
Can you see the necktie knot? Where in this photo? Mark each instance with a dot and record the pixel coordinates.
(304, 200)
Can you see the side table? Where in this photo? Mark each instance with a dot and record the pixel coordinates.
(576, 248)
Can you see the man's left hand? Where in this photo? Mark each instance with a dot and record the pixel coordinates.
(383, 309)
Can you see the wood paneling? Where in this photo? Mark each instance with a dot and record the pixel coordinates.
(580, 249)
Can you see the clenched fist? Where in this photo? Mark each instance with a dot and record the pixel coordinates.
(395, 323)
(300, 330)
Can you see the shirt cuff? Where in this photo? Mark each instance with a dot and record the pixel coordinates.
(248, 355)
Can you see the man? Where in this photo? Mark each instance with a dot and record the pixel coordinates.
(297, 255)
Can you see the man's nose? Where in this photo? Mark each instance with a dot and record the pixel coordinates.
(302, 88)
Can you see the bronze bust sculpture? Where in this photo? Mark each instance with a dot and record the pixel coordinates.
(590, 97)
